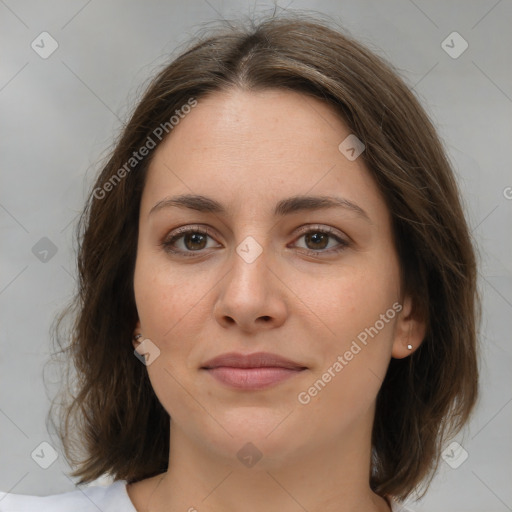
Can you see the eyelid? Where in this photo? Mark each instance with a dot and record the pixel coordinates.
(306, 228)
(191, 228)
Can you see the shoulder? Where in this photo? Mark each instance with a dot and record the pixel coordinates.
(396, 506)
(109, 498)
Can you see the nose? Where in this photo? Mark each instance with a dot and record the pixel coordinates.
(251, 297)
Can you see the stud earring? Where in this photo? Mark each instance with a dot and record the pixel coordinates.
(409, 347)
(137, 337)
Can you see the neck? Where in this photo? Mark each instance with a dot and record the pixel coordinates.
(325, 476)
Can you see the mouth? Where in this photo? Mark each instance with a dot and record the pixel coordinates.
(252, 371)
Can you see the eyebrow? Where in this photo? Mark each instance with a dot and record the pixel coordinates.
(284, 207)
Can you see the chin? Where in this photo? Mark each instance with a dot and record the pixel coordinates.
(255, 434)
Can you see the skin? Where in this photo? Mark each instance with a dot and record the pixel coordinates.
(249, 150)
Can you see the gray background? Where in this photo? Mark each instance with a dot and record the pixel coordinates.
(59, 118)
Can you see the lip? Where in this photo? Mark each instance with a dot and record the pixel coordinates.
(252, 371)
(255, 360)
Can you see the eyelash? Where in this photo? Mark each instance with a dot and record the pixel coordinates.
(181, 232)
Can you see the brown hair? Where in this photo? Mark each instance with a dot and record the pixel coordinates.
(111, 420)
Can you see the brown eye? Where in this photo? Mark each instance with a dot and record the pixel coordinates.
(316, 240)
(194, 241)
(187, 241)
(322, 240)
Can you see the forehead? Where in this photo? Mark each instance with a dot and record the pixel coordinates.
(252, 123)
(248, 147)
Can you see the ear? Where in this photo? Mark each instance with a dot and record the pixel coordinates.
(136, 331)
(409, 331)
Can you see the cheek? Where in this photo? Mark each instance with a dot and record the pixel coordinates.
(163, 296)
(358, 310)
(165, 308)
(352, 301)
(173, 310)
(354, 355)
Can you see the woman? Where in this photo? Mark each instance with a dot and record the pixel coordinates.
(277, 305)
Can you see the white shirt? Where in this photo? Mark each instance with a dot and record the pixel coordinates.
(110, 498)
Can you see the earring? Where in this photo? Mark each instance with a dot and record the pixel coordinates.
(409, 347)
(137, 337)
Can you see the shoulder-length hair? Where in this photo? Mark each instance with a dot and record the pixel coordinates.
(111, 422)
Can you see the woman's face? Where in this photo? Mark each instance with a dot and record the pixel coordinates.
(318, 286)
